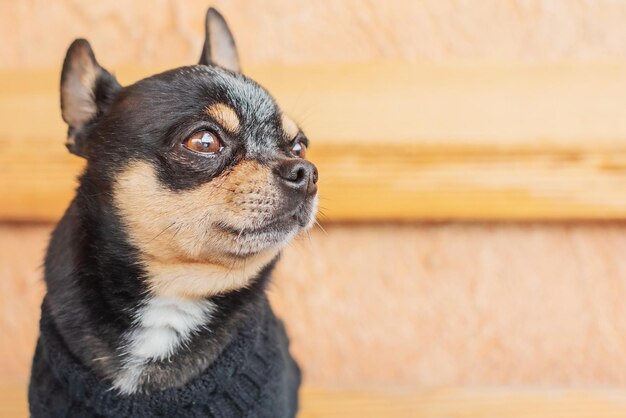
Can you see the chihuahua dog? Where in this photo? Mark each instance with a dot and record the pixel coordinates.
(156, 274)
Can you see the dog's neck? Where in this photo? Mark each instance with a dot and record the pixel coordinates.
(113, 323)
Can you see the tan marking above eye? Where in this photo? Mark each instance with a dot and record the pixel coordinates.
(289, 126)
(225, 116)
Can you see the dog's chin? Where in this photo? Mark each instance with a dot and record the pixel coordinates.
(268, 235)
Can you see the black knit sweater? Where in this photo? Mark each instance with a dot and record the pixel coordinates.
(254, 376)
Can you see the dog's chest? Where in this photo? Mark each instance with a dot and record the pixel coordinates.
(161, 326)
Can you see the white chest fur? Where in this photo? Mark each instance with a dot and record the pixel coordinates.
(160, 327)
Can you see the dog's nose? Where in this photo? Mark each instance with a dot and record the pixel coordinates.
(298, 175)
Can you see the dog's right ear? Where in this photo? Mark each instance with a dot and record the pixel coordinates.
(86, 91)
(219, 44)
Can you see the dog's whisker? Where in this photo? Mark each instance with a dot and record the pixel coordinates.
(321, 227)
(309, 239)
(188, 195)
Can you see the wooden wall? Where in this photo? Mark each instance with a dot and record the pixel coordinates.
(425, 116)
(166, 32)
(415, 305)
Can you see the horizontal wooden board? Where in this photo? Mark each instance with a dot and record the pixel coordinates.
(392, 141)
(463, 403)
(433, 403)
(420, 304)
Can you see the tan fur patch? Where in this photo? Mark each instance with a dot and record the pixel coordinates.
(183, 249)
(225, 116)
(290, 126)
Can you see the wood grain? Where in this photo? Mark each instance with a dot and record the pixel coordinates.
(463, 403)
(425, 403)
(37, 33)
(392, 141)
(418, 305)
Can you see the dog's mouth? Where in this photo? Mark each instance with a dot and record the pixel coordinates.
(269, 227)
(272, 233)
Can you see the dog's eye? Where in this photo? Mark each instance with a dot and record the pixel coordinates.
(204, 142)
(299, 149)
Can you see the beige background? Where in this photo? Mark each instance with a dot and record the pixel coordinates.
(35, 33)
(378, 304)
(415, 305)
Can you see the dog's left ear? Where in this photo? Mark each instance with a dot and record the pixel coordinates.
(219, 45)
(86, 91)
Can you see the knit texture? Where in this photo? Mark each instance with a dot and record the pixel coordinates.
(254, 376)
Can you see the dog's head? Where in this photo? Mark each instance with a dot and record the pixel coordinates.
(206, 174)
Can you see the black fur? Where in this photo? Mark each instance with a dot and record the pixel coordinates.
(94, 283)
(93, 273)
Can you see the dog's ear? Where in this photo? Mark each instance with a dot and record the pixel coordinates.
(219, 45)
(86, 90)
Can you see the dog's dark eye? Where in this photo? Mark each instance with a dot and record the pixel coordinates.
(204, 142)
(299, 149)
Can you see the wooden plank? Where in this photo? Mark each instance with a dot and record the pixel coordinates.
(421, 304)
(392, 141)
(433, 403)
(13, 399)
(463, 403)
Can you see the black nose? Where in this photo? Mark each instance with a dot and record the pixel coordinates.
(298, 175)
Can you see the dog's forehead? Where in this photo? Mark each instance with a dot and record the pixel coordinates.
(241, 92)
(216, 90)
